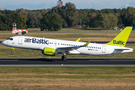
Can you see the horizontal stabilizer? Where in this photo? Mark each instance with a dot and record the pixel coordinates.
(121, 49)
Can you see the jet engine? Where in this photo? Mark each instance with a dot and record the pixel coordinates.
(49, 51)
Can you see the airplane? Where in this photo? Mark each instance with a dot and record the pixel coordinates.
(52, 47)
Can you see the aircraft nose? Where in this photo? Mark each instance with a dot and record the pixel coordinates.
(4, 42)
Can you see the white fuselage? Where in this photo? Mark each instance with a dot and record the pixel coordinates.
(40, 43)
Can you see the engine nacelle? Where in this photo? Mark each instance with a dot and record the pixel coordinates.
(49, 51)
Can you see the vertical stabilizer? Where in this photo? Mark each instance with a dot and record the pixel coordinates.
(121, 38)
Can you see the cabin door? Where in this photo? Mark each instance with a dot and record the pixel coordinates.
(20, 39)
(103, 49)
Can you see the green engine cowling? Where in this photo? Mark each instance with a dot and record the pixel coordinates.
(49, 51)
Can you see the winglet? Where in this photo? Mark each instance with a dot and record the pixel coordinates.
(86, 44)
(78, 40)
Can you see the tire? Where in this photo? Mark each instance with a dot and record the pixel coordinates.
(12, 53)
(64, 58)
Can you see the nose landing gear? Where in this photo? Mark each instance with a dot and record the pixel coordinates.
(12, 50)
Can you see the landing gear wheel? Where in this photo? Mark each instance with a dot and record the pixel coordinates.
(12, 53)
(64, 58)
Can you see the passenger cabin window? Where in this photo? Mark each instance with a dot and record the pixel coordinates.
(10, 39)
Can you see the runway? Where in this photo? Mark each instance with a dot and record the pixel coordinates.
(70, 62)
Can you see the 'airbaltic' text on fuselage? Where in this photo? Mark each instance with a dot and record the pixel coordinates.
(35, 40)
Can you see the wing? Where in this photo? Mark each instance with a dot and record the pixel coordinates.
(74, 47)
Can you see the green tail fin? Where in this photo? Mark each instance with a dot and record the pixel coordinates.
(121, 38)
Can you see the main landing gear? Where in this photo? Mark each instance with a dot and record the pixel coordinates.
(64, 58)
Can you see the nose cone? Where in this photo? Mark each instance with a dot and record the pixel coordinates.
(4, 42)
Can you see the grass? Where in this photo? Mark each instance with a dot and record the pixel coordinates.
(67, 78)
(92, 34)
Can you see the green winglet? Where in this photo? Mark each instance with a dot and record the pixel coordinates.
(12, 48)
(78, 40)
(86, 44)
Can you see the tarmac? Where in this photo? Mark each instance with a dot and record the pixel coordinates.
(26, 62)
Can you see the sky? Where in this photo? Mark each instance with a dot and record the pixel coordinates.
(80, 4)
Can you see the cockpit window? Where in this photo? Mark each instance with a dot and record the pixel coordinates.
(10, 39)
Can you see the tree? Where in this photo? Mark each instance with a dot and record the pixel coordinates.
(61, 11)
(94, 23)
(82, 18)
(7, 20)
(128, 16)
(34, 19)
(22, 11)
(108, 20)
(52, 22)
(19, 19)
(68, 14)
(71, 14)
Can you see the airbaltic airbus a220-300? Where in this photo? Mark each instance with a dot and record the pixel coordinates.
(52, 47)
